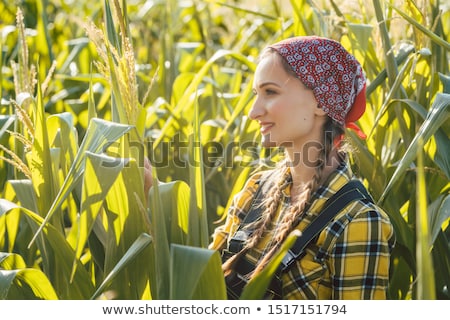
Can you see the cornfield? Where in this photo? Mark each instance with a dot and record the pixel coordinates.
(90, 89)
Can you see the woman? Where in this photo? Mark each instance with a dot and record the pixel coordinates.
(308, 89)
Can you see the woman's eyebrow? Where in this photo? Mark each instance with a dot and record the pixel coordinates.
(268, 83)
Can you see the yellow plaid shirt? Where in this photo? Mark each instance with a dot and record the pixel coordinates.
(349, 260)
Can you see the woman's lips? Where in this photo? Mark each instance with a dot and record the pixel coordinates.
(266, 126)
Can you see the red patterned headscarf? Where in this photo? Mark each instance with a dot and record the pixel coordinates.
(334, 75)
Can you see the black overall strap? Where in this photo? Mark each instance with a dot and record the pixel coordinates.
(351, 191)
(237, 242)
(257, 206)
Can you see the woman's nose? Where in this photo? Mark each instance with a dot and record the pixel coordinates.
(257, 110)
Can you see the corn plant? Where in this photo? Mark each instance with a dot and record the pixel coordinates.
(84, 100)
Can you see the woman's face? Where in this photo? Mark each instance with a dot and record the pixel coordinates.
(286, 110)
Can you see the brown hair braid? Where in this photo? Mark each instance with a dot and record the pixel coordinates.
(261, 224)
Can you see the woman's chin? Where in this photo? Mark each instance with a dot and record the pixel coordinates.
(266, 142)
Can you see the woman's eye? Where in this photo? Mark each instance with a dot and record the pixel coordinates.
(266, 92)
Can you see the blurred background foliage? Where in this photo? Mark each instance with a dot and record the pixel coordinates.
(88, 89)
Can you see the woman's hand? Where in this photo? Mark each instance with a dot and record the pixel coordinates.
(148, 178)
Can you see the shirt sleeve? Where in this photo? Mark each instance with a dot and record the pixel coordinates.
(239, 206)
(359, 266)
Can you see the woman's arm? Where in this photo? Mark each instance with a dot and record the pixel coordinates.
(361, 256)
(148, 177)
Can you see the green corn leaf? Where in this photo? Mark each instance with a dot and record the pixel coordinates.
(118, 106)
(57, 255)
(205, 277)
(376, 179)
(25, 193)
(257, 286)
(92, 112)
(391, 66)
(132, 253)
(425, 271)
(126, 223)
(198, 223)
(14, 273)
(10, 261)
(100, 134)
(160, 279)
(186, 102)
(434, 37)
(100, 173)
(238, 110)
(175, 197)
(438, 114)
(396, 86)
(63, 135)
(442, 141)
(438, 214)
(111, 32)
(41, 173)
(44, 40)
(445, 79)
(26, 197)
(170, 214)
(245, 10)
(6, 121)
(28, 284)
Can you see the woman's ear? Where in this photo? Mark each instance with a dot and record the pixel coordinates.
(320, 112)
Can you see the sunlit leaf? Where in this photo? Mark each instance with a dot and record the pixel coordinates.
(198, 224)
(14, 273)
(132, 253)
(25, 280)
(100, 134)
(126, 222)
(62, 134)
(10, 261)
(100, 173)
(186, 102)
(438, 213)
(425, 271)
(58, 254)
(257, 286)
(161, 278)
(41, 173)
(434, 37)
(205, 280)
(438, 114)
(25, 194)
(175, 201)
